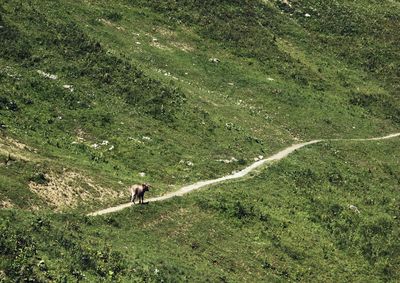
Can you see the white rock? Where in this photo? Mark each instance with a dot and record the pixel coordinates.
(354, 208)
(111, 148)
(142, 174)
(307, 15)
(95, 145)
(260, 157)
(69, 87)
(105, 142)
(270, 79)
(287, 2)
(47, 75)
(146, 138)
(189, 163)
(214, 60)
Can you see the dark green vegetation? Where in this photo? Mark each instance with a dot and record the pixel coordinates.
(290, 222)
(95, 93)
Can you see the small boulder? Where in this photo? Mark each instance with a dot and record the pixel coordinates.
(354, 208)
(214, 60)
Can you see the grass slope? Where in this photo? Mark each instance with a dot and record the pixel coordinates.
(134, 78)
(95, 93)
(290, 222)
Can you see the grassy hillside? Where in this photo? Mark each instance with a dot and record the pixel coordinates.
(98, 95)
(115, 89)
(291, 222)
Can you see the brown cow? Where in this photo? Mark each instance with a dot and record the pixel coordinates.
(138, 191)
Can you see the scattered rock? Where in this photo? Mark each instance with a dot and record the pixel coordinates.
(214, 60)
(270, 79)
(146, 138)
(354, 208)
(105, 142)
(47, 75)
(286, 2)
(142, 174)
(6, 203)
(69, 87)
(307, 15)
(188, 163)
(134, 139)
(111, 148)
(260, 157)
(227, 161)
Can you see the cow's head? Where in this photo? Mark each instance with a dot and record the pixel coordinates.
(146, 187)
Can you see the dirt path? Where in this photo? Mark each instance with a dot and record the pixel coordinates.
(278, 156)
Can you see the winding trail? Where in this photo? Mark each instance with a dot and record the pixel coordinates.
(278, 156)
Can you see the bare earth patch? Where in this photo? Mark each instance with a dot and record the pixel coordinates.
(158, 45)
(16, 149)
(71, 188)
(185, 47)
(6, 203)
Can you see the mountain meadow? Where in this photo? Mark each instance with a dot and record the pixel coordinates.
(96, 96)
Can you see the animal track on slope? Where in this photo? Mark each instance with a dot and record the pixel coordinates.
(201, 184)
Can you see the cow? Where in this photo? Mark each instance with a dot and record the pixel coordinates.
(138, 191)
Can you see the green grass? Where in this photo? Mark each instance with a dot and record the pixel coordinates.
(136, 93)
(289, 222)
(137, 72)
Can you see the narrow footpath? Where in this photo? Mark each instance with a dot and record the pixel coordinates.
(201, 184)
